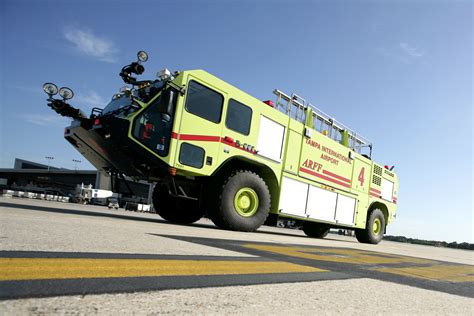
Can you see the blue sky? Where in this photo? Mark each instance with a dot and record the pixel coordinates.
(398, 72)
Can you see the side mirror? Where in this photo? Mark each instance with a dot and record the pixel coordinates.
(167, 99)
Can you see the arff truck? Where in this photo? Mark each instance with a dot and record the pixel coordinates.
(214, 150)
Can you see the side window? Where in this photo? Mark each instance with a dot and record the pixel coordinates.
(239, 117)
(191, 155)
(204, 102)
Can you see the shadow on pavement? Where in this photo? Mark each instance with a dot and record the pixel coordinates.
(91, 213)
(281, 232)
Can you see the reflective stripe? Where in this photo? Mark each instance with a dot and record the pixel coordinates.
(324, 177)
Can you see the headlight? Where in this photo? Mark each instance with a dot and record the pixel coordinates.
(66, 93)
(50, 88)
(142, 56)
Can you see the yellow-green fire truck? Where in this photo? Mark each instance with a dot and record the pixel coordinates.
(214, 150)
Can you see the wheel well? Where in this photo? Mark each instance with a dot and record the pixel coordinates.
(380, 206)
(267, 174)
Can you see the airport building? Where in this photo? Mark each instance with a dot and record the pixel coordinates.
(34, 177)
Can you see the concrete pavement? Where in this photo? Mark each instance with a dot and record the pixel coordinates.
(51, 249)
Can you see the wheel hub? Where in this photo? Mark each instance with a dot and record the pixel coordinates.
(246, 202)
(377, 226)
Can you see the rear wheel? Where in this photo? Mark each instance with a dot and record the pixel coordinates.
(243, 203)
(373, 233)
(315, 230)
(174, 209)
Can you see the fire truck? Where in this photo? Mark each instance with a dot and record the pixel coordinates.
(216, 151)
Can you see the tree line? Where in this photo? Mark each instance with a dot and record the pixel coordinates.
(463, 245)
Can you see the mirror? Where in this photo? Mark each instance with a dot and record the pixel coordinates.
(167, 101)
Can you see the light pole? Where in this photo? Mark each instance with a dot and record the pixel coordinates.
(75, 163)
(49, 158)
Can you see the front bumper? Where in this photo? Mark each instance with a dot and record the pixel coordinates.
(108, 147)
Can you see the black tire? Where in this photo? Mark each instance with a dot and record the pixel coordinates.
(175, 210)
(315, 230)
(226, 215)
(369, 235)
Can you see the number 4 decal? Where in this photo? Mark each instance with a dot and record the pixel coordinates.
(361, 176)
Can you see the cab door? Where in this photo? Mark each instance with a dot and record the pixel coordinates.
(199, 131)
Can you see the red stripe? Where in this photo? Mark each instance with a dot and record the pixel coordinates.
(336, 176)
(202, 138)
(375, 191)
(324, 177)
(375, 195)
(206, 138)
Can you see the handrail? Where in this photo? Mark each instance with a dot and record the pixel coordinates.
(356, 141)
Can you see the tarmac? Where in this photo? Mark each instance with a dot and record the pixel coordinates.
(58, 258)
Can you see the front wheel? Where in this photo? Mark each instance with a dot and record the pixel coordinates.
(243, 203)
(373, 233)
(174, 209)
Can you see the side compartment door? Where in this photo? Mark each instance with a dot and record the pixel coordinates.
(199, 131)
(360, 185)
(293, 152)
(361, 176)
(293, 197)
(321, 204)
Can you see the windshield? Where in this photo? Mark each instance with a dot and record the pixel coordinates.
(118, 103)
(124, 101)
(147, 93)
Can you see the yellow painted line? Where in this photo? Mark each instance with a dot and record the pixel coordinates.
(73, 268)
(337, 255)
(436, 272)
